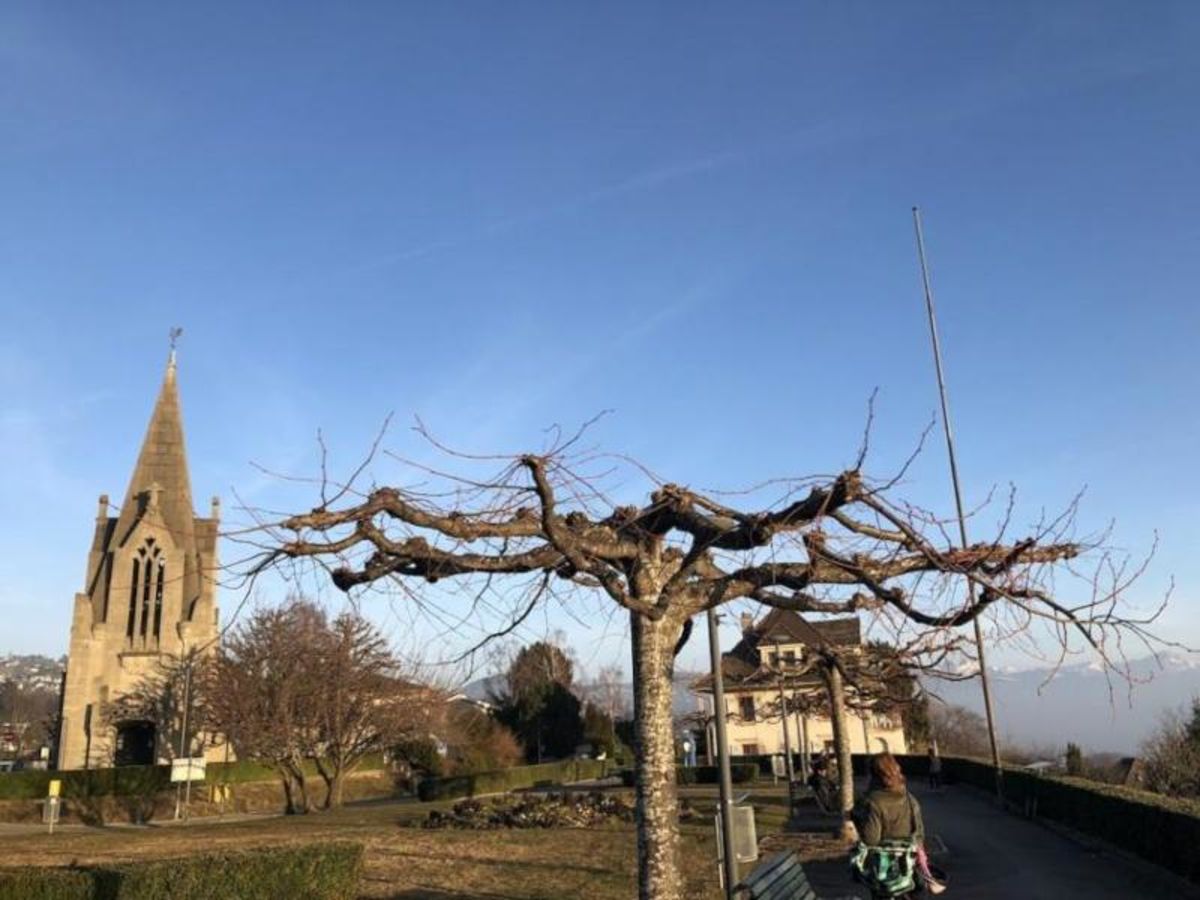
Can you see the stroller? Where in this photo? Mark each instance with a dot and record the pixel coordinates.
(895, 869)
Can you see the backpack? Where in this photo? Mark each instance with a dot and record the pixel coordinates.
(888, 868)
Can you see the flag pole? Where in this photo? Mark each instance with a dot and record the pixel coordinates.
(962, 520)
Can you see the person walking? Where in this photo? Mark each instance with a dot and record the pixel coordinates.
(935, 768)
(889, 857)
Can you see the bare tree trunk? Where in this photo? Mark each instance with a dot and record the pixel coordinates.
(841, 742)
(289, 801)
(298, 795)
(333, 775)
(657, 805)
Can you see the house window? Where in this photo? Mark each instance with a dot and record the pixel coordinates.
(749, 749)
(746, 708)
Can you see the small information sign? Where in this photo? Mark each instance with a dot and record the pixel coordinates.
(187, 769)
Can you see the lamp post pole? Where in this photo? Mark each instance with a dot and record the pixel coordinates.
(729, 859)
(787, 742)
(958, 503)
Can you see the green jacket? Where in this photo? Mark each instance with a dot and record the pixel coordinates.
(888, 815)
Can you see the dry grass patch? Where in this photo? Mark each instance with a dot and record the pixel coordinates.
(405, 861)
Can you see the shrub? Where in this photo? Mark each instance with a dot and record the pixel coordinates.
(421, 755)
(327, 871)
(86, 783)
(503, 780)
(139, 781)
(739, 773)
(46, 884)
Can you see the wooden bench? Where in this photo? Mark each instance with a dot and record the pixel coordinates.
(778, 877)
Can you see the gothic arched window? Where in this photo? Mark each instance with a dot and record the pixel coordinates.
(160, 579)
(146, 585)
(133, 591)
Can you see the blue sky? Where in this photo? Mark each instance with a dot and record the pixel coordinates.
(504, 216)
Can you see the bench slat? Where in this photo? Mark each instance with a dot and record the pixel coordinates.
(780, 877)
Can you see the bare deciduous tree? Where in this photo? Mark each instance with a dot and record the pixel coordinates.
(262, 685)
(363, 701)
(291, 687)
(827, 545)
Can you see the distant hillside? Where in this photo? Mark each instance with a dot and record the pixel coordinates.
(33, 672)
(1076, 705)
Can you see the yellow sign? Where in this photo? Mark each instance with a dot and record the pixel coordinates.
(55, 788)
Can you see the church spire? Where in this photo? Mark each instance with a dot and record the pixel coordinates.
(162, 467)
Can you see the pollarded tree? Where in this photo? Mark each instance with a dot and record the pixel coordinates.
(833, 545)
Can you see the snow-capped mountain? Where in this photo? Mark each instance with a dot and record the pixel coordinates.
(1079, 703)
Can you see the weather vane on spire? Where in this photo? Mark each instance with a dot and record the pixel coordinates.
(173, 335)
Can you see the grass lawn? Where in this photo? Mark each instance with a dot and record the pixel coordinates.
(404, 860)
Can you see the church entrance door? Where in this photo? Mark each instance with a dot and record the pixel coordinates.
(135, 744)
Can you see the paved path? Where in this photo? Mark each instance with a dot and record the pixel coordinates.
(993, 855)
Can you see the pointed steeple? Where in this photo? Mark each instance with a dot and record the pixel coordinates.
(161, 472)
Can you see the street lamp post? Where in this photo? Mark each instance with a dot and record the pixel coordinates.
(729, 859)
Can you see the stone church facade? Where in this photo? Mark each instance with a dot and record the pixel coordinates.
(149, 595)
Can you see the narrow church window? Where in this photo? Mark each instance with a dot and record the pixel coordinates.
(148, 577)
(133, 591)
(158, 598)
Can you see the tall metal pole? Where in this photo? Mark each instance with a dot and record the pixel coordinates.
(187, 706)
(729, 859)
(183, 749)
(802, 737)
(787, 741)
(962, 520)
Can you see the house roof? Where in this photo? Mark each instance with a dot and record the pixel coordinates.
(742, 667)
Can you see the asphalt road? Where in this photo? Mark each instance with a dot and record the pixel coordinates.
(993, 855)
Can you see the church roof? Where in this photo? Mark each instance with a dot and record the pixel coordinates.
(162, 465)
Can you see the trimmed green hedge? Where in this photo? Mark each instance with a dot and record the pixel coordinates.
(503, 780)
(1161, 830)
(741, 773)
(328, 871)
(125, 781)
(32, 784)
(46, 884)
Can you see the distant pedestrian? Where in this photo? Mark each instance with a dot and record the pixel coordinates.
(935, 768)
(689, 752)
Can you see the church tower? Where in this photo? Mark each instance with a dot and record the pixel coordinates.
(149, 593)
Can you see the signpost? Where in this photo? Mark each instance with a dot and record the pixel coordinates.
(187, 769)
(53, 802)
(778, 767)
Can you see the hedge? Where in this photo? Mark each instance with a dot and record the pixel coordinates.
(327, 871)
(46, 884)
(1161, 830)
(740, 773)
(33, 784)
(502, 780)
